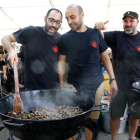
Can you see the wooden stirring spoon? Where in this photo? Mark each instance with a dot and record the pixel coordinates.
(18, 103)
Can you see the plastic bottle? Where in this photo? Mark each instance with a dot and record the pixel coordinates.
(105, 92)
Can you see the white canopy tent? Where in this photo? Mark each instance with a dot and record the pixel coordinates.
(17, 14)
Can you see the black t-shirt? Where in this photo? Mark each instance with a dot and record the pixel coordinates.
(40, 57)
(21, 53)
(2, 63)
(126, 57)
(82, 52)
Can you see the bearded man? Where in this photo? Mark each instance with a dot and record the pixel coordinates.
(41, 51)
(125, 47)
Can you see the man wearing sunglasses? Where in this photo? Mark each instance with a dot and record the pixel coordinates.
(41, 51)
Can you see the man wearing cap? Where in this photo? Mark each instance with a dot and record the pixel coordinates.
(125, 47)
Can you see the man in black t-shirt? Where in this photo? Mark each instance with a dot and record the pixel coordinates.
(125, 47)
(41, 51)
(82, 47)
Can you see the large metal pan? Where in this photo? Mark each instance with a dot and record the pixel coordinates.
(59, 129)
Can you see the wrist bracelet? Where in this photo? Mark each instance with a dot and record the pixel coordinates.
(111, 80)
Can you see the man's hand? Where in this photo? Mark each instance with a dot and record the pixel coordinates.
(113, 88)
(7, 44)
(4, 77)
(100, 25)
(12, 56)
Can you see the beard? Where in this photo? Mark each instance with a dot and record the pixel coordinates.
(129, 32)
(76, 26)
(50, 30)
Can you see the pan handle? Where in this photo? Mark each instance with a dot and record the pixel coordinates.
(102, 109)
(79, 135)
(4, 94)
(9, 123)
(136, 90)
(92, 126)
(66, 87)
(1, 95)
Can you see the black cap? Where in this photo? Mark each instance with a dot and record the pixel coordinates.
(131, 14)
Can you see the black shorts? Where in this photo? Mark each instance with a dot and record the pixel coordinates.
(119, 103)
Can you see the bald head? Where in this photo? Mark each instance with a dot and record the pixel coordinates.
(79, 8)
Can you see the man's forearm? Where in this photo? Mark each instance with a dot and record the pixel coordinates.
(4, 70)
(109, 69)
(108, 65)
(61, 78)
(61, 72)
(6, 42)
(61, 68)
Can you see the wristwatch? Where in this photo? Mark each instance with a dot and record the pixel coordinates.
(111, 80)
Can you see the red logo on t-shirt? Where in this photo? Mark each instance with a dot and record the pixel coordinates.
(55, 49)
(138, 48)
(93, 44)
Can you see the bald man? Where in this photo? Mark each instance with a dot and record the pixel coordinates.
(83, 47)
